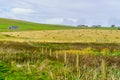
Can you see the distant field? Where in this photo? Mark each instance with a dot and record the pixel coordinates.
(28, 26)
(81, 35)
(24, 25)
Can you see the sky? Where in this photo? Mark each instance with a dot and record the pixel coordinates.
(65, 12)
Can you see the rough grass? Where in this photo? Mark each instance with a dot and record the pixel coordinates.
(53, 70)
(23, 61)
(91, 54)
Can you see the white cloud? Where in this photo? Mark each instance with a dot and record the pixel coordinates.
(21, 11)
(73, 20)
(54, 21)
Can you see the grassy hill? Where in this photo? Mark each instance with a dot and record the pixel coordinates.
(24, 25)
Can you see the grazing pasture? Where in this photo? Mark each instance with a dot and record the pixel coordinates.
(29, 26)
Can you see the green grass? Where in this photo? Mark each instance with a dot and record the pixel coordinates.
(24, 25)
(53, 70)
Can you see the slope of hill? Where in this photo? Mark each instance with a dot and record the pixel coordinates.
(24, 25)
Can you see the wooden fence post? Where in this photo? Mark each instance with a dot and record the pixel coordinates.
(42, 50)
(56, 55)
(46, 51)
(65, 57)
(77, 62)
(50, 53)
(103, 69)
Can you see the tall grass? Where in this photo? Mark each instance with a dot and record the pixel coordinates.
(37, 63)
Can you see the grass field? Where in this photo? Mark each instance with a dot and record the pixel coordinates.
(80, 35)
(28, 26)
(24, 25)
(56, 52)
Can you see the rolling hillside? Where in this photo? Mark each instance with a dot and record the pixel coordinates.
(24, 25)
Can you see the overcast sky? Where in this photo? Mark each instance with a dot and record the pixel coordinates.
(70, 12)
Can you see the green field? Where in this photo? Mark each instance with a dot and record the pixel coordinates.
(24, 25)
(56, 52)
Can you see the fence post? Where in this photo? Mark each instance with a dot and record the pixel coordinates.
(42, 50)
(46, 50)
(56, 55)
(103, 69)
(65, 57)
(77, 62)
(65, 66)
(28, 67)
(50, 53)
